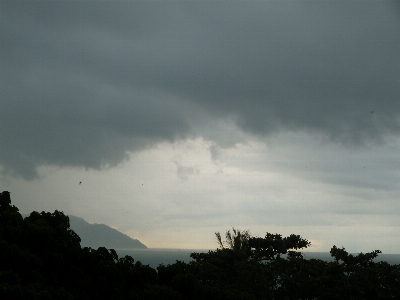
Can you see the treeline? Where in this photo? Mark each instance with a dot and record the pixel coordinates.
(41, 258)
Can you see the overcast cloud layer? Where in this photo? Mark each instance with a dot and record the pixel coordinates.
(84, 82)
(262, 110)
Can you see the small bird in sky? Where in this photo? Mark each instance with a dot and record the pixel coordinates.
(80, 182)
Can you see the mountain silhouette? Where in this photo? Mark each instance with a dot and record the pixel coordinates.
(101, 235)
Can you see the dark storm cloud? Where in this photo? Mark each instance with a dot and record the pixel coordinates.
(84, 82)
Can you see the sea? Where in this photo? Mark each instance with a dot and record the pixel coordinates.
(156, 256)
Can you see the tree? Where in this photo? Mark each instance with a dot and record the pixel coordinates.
(238, 265)
(361, 260)
(41, 258)
(5, 200)
(273, 246)
(257, 248)
(238, 240)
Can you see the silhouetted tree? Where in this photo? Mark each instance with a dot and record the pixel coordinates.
(237, 240)
(274, 245)
(361, 260)
(41, 258)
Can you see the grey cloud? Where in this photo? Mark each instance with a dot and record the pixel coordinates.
(82, 83)
(184, 172)
(215, 153)
(362, 170)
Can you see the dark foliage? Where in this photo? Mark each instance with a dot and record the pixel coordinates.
(41, 258)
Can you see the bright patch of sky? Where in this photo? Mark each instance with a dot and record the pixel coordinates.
(178, 194)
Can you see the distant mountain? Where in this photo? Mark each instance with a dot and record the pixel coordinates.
(100, 235)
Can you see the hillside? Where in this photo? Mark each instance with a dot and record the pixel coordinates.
(100, 235)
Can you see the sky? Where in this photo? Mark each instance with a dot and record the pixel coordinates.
(173, 120)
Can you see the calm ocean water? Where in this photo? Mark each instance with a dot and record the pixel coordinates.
(154, 257)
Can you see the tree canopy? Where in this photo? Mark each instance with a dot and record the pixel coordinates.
(41, 258)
